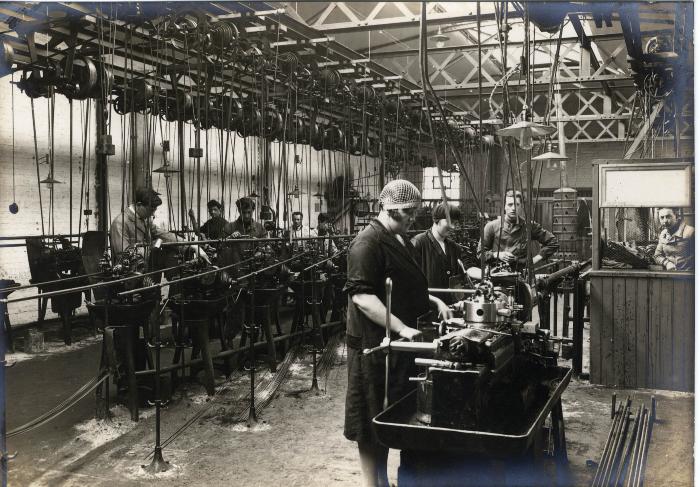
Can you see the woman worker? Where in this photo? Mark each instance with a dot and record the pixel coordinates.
(379, 251)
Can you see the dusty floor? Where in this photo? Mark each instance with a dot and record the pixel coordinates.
(298, 442)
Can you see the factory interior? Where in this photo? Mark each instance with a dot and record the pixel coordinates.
(347, 243)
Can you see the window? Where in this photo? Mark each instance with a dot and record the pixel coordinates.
(431, 184)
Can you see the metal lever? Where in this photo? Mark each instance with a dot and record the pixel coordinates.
(388, 288)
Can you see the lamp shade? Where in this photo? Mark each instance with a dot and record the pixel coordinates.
(524, 131)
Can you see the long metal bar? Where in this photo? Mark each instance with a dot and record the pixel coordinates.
(474, 47)
(625, 462)
(48, 283)
(23, 237)
(608, 444)
(206, 273)
(401, 22)
(438, 290)
(340, 252)
(86, 287)
(248, 240)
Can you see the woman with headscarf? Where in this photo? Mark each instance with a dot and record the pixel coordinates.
(381, 250)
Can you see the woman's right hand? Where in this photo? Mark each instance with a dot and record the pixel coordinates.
(409, 333)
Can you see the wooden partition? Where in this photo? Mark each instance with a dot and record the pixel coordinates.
(642, 329)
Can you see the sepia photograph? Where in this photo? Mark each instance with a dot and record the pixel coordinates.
(373, 244)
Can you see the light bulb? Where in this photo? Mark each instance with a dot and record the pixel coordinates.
(440, 44)
(526, 141)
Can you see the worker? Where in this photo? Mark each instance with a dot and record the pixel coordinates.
(244, 225)
(436, 253)
(299, 230)
(676, 247)
(505, 240)
(134, 226)
(213, 228)
(380, 251)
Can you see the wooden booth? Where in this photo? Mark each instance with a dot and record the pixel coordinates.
(642, 315)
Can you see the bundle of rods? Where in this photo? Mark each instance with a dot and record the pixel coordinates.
(625, 453)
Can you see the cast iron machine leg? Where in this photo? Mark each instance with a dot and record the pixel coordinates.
(4, 457)
(158, 464)
(203, 338)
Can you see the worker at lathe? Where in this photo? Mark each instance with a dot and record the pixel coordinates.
(436, 253)
(505, 239)
(242, 227)
(382, 249)
(213, 228)
(135, 227)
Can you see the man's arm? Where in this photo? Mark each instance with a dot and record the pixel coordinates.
(164, 235)
(117, 238)
(418, 249)
(548, 241)
(659, 256)
(487, 245)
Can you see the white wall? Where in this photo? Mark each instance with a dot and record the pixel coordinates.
(242, 162)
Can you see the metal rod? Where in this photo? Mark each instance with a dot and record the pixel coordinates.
(646, 438)
(619, 439)
(636, 443)
(206, 273)
(388, 286)
(48, 283)
(437, 290)
(628, 447)
(340, 252)
(251, 329)
(86, 287)
(608, 443)
(248, 240)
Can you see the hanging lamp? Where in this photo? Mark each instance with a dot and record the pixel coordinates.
(525, 131)
(440, 38)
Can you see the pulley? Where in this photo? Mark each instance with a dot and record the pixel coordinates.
(7, 57)
(82, 81)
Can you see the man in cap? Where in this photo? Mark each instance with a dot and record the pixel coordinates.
(436, 253)
(381, 250)
(135, 225)
(213, 228)
(506, 240)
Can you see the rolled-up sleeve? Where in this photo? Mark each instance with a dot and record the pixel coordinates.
(548, 241)
(164, 235)
(364, 269)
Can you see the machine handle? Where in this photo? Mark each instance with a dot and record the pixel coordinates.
(389, 285)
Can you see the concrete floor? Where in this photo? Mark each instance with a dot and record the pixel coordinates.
(300, 441)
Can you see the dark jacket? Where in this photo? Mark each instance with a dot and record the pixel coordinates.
(234, 252)
(374, 255)
(437, 265)
(214, 228)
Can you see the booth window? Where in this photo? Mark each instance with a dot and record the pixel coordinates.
(645, 221)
